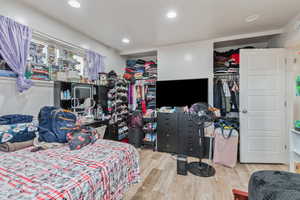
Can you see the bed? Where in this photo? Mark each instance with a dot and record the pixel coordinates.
(100, 171)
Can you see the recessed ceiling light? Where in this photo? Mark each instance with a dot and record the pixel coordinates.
(74, 3)
(171, 14)
(252, 18)
(125, 40)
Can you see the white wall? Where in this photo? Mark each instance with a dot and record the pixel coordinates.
(195, 60)
(290, 38)
(41, 94)
(187, 61)
(29, 102)
(36, 20)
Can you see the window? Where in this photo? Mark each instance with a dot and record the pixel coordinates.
(5, 69)
(80, 65)
(50, 59)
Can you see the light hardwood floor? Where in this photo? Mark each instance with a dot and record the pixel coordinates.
(161, 182)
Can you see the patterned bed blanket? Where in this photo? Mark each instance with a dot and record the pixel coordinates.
(103, 170)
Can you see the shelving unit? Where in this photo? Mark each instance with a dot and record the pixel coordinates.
(150, 130)
(69, 101)
(118, 108)
(294, 150)
(142, 93)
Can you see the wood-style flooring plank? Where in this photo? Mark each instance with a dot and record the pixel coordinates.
(161, 182)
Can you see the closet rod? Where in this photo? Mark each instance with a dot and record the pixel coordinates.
(226, 74)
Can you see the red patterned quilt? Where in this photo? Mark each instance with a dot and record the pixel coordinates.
(103, 170)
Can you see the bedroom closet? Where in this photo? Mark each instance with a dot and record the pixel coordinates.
(141, 71)
(249, 82)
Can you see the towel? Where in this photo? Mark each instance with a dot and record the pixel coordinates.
(11, 147)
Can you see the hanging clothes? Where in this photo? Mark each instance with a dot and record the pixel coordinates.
(219, 97)
(226, 95)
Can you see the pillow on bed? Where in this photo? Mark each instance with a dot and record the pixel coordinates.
(80, 139)
(100, 131)
(17, 132)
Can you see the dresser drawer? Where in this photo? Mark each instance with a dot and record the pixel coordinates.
(166, 146)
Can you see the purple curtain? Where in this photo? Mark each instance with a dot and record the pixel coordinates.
(14, 47)
(95, 65)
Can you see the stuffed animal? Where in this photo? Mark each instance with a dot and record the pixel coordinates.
(103, 79)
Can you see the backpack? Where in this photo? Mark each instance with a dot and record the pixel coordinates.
(55, 124)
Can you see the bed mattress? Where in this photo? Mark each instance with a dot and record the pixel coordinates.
(103, 170)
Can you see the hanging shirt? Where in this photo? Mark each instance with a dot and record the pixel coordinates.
(226, 89)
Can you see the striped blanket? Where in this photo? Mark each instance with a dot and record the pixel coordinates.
(101, 171)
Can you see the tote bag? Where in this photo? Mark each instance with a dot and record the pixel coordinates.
(226, 146)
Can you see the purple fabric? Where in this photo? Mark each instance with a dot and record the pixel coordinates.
(95, 65)
(130, 91)
(14, 47)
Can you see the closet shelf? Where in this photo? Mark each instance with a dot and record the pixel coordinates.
(227, 74)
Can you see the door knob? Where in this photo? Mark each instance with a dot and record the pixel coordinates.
(245, 111)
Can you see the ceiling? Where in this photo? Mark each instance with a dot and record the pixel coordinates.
(145, 24)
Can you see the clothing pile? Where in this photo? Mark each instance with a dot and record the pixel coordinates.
(226, 96)
(38, 59)
(227, 62)
(167, 110)
(142, 95)
(58, 127)
(55, 128)
(17, 132)
(40, 72)
(140, 69)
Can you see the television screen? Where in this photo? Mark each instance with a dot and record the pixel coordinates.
(180, 93)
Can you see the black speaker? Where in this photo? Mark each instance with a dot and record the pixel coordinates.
(182, 165)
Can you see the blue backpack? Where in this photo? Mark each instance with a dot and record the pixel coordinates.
(55, 124)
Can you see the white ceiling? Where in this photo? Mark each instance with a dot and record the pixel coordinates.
(144, 21)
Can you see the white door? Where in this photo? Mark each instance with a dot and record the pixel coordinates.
(262, 106)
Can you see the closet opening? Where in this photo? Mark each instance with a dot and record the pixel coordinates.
(227, 79)
(141, 71)
(227, 71)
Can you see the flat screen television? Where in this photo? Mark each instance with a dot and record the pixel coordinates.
(178, 93)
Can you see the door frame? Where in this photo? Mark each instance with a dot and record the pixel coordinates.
(285, 102)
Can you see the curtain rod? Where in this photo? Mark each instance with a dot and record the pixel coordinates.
(59, 41)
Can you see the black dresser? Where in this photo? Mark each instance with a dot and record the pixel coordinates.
(177, 134)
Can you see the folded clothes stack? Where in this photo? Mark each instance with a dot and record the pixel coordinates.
(140, 69)
(40, 72)
(16, 132)
(228, 61)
